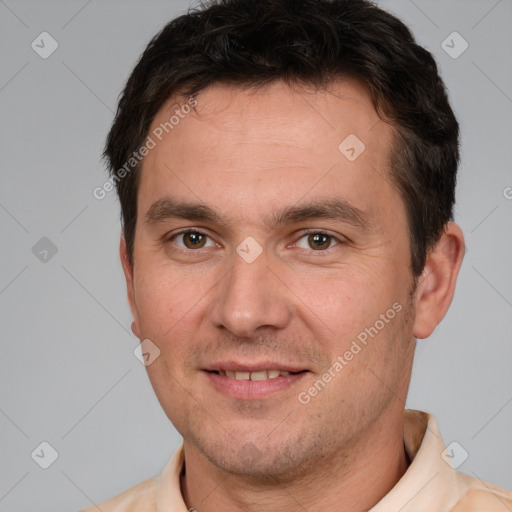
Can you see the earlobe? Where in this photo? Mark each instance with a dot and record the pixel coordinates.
(135, 330)
(436, 286)
(130, 283)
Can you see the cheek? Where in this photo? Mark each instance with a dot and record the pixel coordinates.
(153, 304)
(339, 303)
(360, 307)
(168, 306)
(171, 308)
(164, 298)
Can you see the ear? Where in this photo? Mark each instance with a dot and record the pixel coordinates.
(436, 285)
(130, 288)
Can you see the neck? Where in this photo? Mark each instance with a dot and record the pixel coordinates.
(355, 479)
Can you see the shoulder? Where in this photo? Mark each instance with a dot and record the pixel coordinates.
(139, 497)
(160, 492)
(482, 496)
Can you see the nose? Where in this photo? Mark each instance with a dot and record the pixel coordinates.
(249, 297)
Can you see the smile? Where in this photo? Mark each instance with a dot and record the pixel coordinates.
(258, 384)
(259, 375)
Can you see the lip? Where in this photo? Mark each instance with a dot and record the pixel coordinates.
(236, 366)
(253, 389)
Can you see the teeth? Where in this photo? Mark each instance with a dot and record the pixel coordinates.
(261, 375)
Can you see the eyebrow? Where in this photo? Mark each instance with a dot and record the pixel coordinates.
(332, 208)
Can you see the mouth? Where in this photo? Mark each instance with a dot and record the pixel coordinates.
(255, 375)
(251, 382)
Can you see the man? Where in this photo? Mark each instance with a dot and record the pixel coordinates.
(286, 172)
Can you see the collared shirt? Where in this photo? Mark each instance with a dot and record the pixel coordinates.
(430, 484)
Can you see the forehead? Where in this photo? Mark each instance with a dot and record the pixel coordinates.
(274, 140)
(298, 114)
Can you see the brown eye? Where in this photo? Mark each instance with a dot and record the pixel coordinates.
(194, 240)
(319, 241)
(191, 239)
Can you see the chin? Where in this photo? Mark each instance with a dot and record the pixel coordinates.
(268, 464)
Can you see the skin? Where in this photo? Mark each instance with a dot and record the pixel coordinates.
(246, 154)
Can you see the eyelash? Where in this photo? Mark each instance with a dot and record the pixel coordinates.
(304, 233)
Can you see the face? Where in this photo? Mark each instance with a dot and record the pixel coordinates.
(272, 271)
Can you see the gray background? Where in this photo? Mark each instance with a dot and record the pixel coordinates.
(68, 375)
